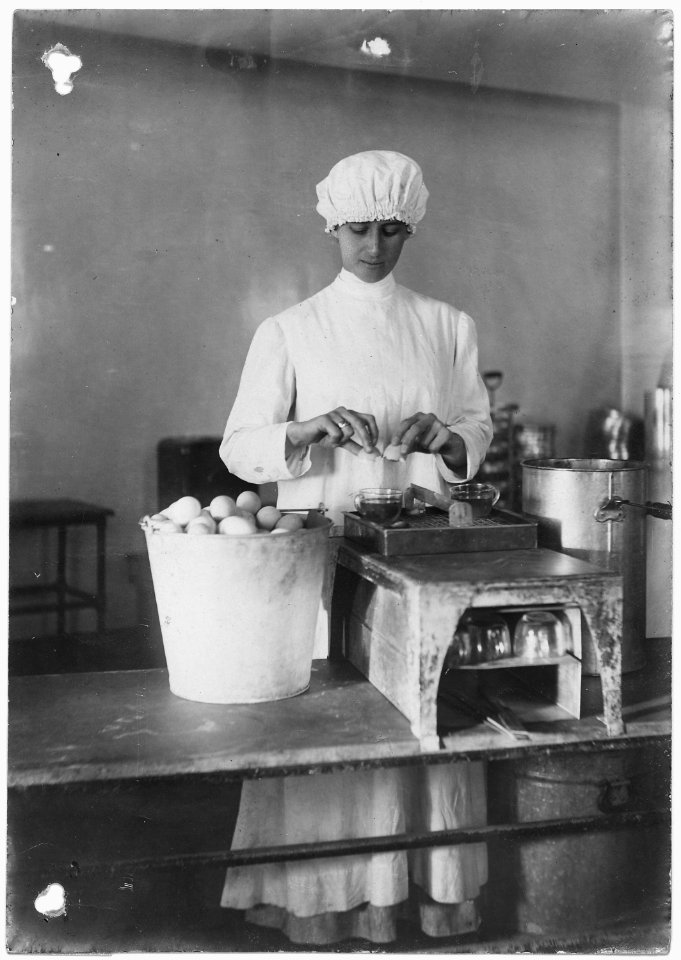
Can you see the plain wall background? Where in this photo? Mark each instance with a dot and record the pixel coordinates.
(166, 207)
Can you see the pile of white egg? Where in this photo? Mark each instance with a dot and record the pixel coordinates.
(238, 517)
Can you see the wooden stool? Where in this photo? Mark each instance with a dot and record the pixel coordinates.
(62, 514)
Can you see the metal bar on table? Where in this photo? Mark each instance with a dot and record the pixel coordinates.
(22, 775)
(367, 845)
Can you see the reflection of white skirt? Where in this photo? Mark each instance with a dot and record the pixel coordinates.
(353, 804)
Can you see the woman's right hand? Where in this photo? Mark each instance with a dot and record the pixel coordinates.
(333, 429)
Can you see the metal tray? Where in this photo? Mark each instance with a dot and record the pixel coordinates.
(430, 532)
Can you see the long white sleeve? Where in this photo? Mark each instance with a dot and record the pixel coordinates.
(254, 443)
(469, 414)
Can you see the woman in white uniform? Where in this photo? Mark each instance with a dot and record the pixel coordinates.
(327, 387)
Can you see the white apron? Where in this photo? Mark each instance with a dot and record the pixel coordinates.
(381, 349)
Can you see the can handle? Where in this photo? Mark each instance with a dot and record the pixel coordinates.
(611, 508)
(663, 511)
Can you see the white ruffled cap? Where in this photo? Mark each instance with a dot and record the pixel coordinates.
(374, 185)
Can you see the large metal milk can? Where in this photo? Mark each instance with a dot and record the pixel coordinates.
(579, 508)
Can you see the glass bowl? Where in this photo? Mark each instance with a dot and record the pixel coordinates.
(379, 504)
(481, 496)
(480, 637)
(539, 634)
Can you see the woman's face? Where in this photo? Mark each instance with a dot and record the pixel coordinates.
(371, 250)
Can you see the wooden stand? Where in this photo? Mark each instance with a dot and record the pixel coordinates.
(394, 618)
(60, 515)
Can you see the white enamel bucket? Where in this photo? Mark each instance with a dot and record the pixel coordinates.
(238, 613)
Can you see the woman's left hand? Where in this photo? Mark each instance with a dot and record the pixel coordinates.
(425, 433)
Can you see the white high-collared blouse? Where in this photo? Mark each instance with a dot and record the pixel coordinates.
(375, 348)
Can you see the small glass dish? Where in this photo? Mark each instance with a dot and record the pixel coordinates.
(539, 634)
(481, 497)
(479, 638)
(379, 504)
(497, 639)
(460, 652)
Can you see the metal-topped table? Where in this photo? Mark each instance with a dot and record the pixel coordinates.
(126, 725)
(84, 742)
(114, 780)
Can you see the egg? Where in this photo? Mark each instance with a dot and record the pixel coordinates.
(167, 526)
(222, 506)
(268, 517)
(205, 518)
(290, 522)
(249, 500)
(237, 526)
(159, 523)
(202, 525)
(393, 452)
(183, 510)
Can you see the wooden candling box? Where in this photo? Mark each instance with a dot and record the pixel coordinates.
(394, 619)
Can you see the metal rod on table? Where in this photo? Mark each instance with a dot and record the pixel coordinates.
(410, 841)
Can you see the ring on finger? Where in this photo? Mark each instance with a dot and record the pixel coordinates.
(342, 423)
